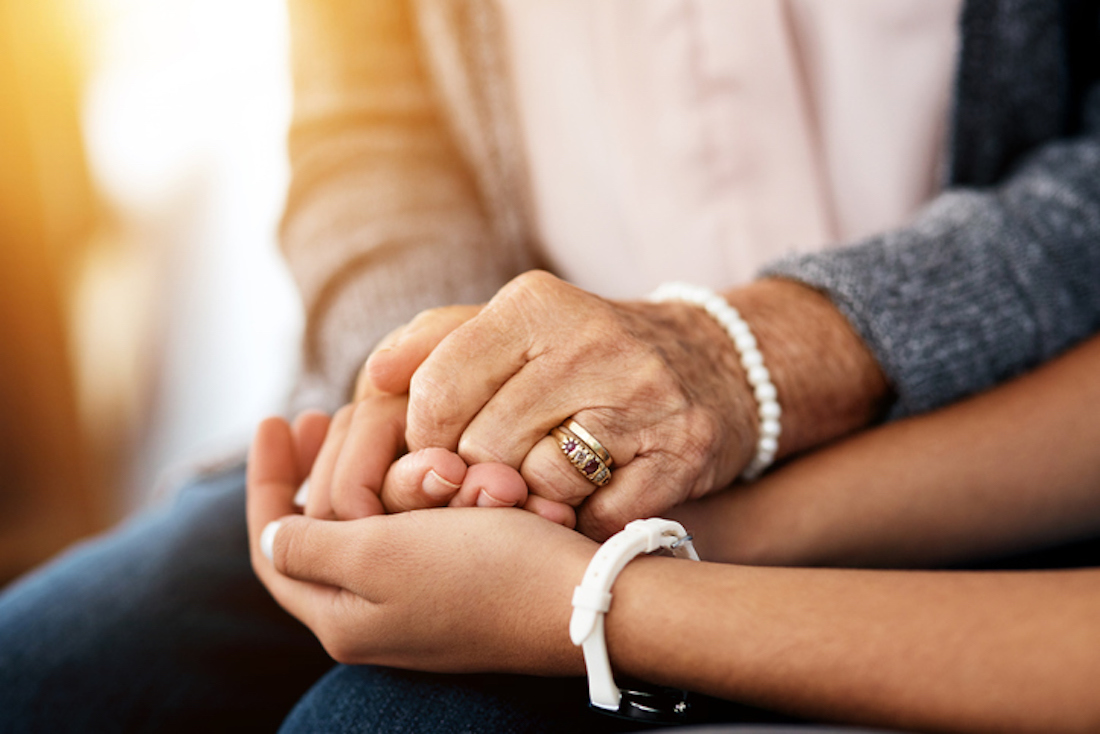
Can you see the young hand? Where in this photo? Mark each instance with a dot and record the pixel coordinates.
(360, 470)
(447, 590)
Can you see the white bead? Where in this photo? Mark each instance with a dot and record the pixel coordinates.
(759, 375)
(770, 428)
(745, 342)
(770, 409)
(751, 358)
(729, 322)
(752, 472)
(764, 392)
(766, 459)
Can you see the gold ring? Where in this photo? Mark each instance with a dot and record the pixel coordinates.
(593, 462)
(597, 448)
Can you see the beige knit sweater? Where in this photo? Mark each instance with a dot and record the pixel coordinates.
(401, 199)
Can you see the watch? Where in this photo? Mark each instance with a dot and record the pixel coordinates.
(591, 601)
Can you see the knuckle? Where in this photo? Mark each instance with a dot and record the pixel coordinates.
(600, 520)
(427, 318)
(655, 383)
(558, 483)
(534, 280)
(533, 285)
(433, 410)
(558, 492)
(695, 436)
(350, 502)
(473, 450)
(287, 553)
(426, 315)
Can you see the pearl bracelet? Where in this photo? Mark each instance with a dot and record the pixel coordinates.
(768, 411)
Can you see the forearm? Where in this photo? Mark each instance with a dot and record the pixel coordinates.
(931, 651)
(1007, 470)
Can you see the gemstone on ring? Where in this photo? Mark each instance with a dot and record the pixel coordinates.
(588, 461)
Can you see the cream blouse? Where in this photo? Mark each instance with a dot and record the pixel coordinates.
(699, 139)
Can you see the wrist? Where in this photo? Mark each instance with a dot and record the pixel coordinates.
(591, 601)
(645, 626)
(828, 382)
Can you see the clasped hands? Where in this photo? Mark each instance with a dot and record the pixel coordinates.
(454, 409)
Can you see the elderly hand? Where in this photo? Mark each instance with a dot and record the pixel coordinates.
(374, 590)
(659, 385)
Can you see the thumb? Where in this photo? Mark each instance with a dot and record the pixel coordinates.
(328, 552)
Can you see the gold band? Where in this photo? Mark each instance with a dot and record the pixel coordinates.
(586, 459)
(597, 448)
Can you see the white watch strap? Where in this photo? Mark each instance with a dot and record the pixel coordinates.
(592, 598)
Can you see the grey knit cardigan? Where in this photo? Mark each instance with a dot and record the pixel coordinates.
(409, 191)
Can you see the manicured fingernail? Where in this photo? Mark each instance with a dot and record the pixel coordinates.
(484, 499)
(267, 539)
(302, 495)
(437, 487)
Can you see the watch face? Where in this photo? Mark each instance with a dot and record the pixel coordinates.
(654, 704)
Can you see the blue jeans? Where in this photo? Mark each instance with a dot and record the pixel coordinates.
(161, 626)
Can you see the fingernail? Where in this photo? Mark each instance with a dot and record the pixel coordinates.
(267, 539)
(437, 487)
(302, 495)
(484, 499)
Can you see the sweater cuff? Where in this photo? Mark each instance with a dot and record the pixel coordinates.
(930, 302)
(373, 296)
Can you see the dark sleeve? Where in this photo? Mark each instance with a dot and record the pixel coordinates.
(382, 218)
(984, 284)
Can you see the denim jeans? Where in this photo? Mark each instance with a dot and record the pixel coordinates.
(161, 626)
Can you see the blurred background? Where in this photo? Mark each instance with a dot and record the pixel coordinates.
(146, 319)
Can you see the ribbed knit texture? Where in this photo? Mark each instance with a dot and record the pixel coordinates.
(409, 192)
(386, 214)
(1002, 271)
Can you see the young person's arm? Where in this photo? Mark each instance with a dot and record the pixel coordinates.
(927, 651)
(489, 590)
(1014, 468)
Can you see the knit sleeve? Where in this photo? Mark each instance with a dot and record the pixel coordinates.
(382, 217)
(985, 284)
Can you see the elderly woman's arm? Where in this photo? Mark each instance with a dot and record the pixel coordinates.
(992, 279)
